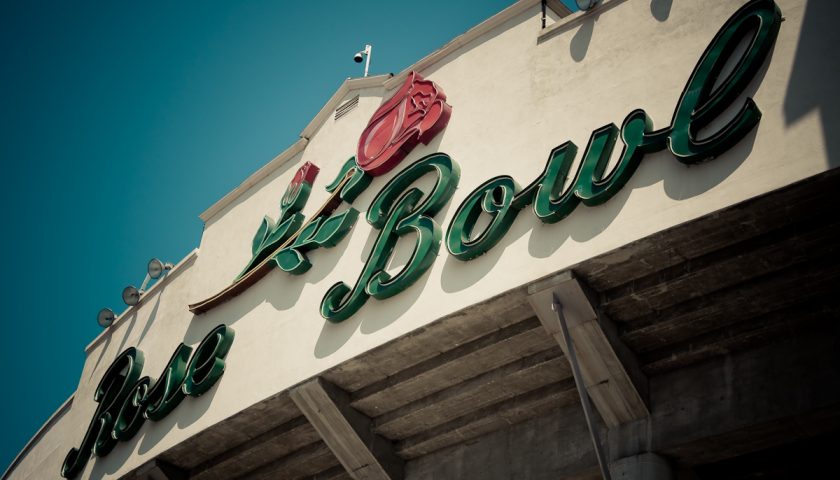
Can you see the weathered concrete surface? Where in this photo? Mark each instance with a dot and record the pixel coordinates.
(553, 446)
(645, 466)
(452, 366)
(535, 403)
(255, 452)
(424, 344)
(530, 372)
(237, 432)
(614, 381)
(707, 413)
(160, 470)
(742, 402)
(727, 366)
(348, 433)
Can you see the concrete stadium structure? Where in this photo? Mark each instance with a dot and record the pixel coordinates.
(698, 282)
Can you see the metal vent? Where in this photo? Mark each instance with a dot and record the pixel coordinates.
(345, 107)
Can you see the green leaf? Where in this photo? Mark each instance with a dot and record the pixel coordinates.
(334, 228)
(266, 226)
(283, 231)
(306, 234)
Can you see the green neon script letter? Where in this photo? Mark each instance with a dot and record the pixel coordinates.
(397, 211)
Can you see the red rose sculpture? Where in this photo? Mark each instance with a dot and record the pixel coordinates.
(298, 190)
(416, 113)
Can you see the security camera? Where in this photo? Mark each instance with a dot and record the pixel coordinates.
(360, 56)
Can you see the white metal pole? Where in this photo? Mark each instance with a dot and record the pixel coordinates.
(368, 49)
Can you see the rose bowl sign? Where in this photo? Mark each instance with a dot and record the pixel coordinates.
(415, 114)
(418, 112)
(401, 211)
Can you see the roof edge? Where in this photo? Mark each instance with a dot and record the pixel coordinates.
(461, 40)
(173, 272)
(389, 81)
(40, 433)
(255, 177)
(346, 87)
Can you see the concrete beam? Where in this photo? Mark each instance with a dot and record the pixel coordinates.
(647, 466)
(743, 402)
(555, 445)
(160, 470)
(275, 443)
(613, 378)
(347, 432)
(300, 464)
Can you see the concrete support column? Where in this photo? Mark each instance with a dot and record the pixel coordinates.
(645, 466)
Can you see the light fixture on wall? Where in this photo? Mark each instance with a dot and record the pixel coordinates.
(105, 317)
(131, 295)
(363, 55)
(585, 5)
(155, 270)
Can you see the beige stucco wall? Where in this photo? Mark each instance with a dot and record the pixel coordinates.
(515, 96)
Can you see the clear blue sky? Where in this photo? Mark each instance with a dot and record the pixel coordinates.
(122, 121)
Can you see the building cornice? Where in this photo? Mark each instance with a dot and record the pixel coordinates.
(461, 40)
(175, 271)
(388, 81)
(64, 408)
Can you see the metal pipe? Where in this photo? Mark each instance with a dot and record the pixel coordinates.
(543, 14)
(368, 49)
(581, 387)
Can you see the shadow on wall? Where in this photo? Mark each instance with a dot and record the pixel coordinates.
(458, 275)
(187, 413)
(680, 182)
(109, 464)
(580, 42)
(103, 351)
(579, 45)
(151, 319)
(151, 434)
(661, 9)
(378, 314)
(816, 67)
(282, 290)
(373, 316)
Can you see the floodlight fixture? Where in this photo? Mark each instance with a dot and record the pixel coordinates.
(364, 55)
(156, 268)
(585, 5)
(131, 295)
(105, 317)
